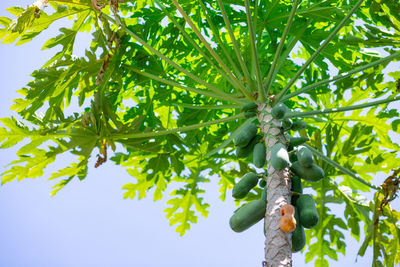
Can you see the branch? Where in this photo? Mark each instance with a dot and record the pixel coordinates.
(280, 46)
(342, 109)
(316, 53)
(254, 51)
(206, 106)
(341, 168)
(218, 95)
(292, 41)
(153, 50)
(341, 76)
(212, 52)
(221, 44)
(175, 130)
(195, 45)
(235, 45)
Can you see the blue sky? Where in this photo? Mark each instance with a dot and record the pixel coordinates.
(88, 223)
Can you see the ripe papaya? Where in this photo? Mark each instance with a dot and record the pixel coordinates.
(287, 209)
(262, 183)
(311, 174)
(245, 135)
(298, 235)
(249, 106)
(242, 188)
(305, 156)
(296, 141)
(259, 155)
(287, 124)
(279, 156)
(308, 213)
(278, 111)
(287, 223)
(296, 187)
(248, 215)
(298, 125)
(244, 152)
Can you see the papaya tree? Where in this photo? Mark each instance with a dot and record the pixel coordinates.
(289, 95)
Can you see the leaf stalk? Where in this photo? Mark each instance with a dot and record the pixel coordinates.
(341, 168)
(179, 129)
(316, 53)
(342, 109)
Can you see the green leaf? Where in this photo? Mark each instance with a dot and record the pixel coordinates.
(180, 211)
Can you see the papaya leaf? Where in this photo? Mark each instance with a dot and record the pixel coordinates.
(180, 211)
(31, 21)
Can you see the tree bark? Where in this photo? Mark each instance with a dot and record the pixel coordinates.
(278, 245)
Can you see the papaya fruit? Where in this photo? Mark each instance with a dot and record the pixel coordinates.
(244, 152)
(296, 141)
(287, 223)
(296, 187)
(245, 135)
(292, 156)
(279, 156)
(287, 209)
(278, 111)
(311, 174)
(308, 213)
(298, 125)
(262, 183)
(259, 155)
(305, 156)
(298, 235)
(249, 106)
(287, 124)
(248, 215)
(264, 194)
(250, 114)
(243, 187)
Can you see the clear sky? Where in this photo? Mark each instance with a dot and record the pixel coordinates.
(88, 223)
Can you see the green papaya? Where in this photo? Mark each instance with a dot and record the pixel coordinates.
(245, 135)
(287, 124)
(296, 187)
(264, 194)
(248, 215)
(308, 213)
(250, 114)
(292, 156)
(298, 235)
(305, 156)
(298, 125)
(311, 174)
(279, 156)
(244, 152)
(262, 183)
(278, 111)
(296, 141)
(259, 155)
(243, 187)
(249, 106)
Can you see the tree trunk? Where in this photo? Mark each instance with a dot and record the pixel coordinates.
(278, 245)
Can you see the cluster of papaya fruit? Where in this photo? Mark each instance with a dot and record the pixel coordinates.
(306, 214)
(302, 212)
